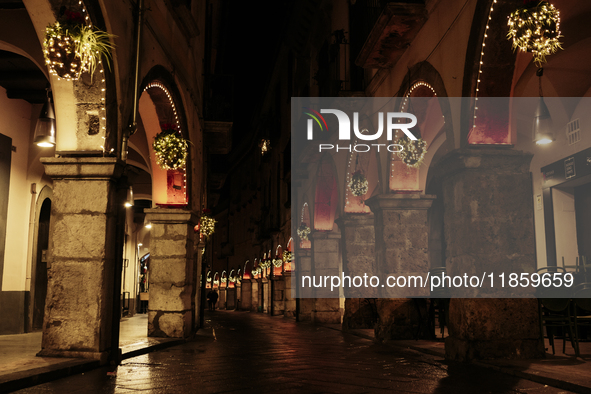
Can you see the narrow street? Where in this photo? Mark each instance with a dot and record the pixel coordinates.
(249, 352)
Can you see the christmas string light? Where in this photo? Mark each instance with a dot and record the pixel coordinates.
(535, 29)
(481, 63)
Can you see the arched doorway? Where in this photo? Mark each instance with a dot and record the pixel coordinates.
(40, 289)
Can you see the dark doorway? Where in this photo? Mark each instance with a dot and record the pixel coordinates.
(41, 265)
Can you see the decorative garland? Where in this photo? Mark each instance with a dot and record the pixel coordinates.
(71, 48)
(232, 279)
(358, 184)
(206, 224)
(256, 271)
(413, 151)
(171, 148)
(535, 28)
(303, 232)
(287, 256)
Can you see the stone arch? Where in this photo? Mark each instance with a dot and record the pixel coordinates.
(246, 274)
(488, 72)
(305, 218)
(421, 98)
(45, 196)
(366, 164)
(160, 103)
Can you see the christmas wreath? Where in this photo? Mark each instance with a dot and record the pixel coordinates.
(358, 184)
(535, 28)
(413, 151)
(171, 148)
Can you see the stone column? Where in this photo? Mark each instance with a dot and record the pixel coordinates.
(82, 253)
(172, 311)
(289, 296)
(358, 246)
(231, 298)
(303, 266)
(488, 226)
(245, 295)
(223, 298)
(402, 236)
(278, 295)
(254, 286)
(326, 261)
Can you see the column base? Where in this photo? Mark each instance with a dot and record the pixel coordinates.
(169, 324)
(467, 350)
(401, 318)
(102, 357)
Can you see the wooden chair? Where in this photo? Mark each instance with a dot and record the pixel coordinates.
(582, 301)
(557, 312)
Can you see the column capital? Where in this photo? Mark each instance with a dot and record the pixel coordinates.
(83, 167)
(390, 202)
(355, 220)
(171, 215)
(501, 160)
(325, 235)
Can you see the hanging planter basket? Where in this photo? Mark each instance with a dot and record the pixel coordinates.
(71, 48)
(535, 28)
(171, 148)
(413, 152)
(358, 184)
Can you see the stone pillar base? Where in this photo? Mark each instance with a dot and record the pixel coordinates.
(163, 324)
(360, 313)
(401, 318)
(493, 328)
(327, 311)
(467, 350)
(102, 357)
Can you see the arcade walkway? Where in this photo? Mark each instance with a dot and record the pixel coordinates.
(254, 353)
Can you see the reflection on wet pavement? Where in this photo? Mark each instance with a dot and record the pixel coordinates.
(249, 352)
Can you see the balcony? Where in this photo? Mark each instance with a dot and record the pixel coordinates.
(388, 28)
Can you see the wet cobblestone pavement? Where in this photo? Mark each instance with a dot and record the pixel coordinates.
(244, 352)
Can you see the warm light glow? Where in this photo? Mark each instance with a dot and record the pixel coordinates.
(140, 244)
(45, 144)
(149, 225)
(544, 141)
(127, 204)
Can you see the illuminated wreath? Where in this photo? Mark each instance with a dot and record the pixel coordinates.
(303, 232)
(206, 224)
(277, 263)
(256, 271)
(170, 148)
(535, 28)
(287, 256)
(71, 48)
(413, 151)
(358, 184)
